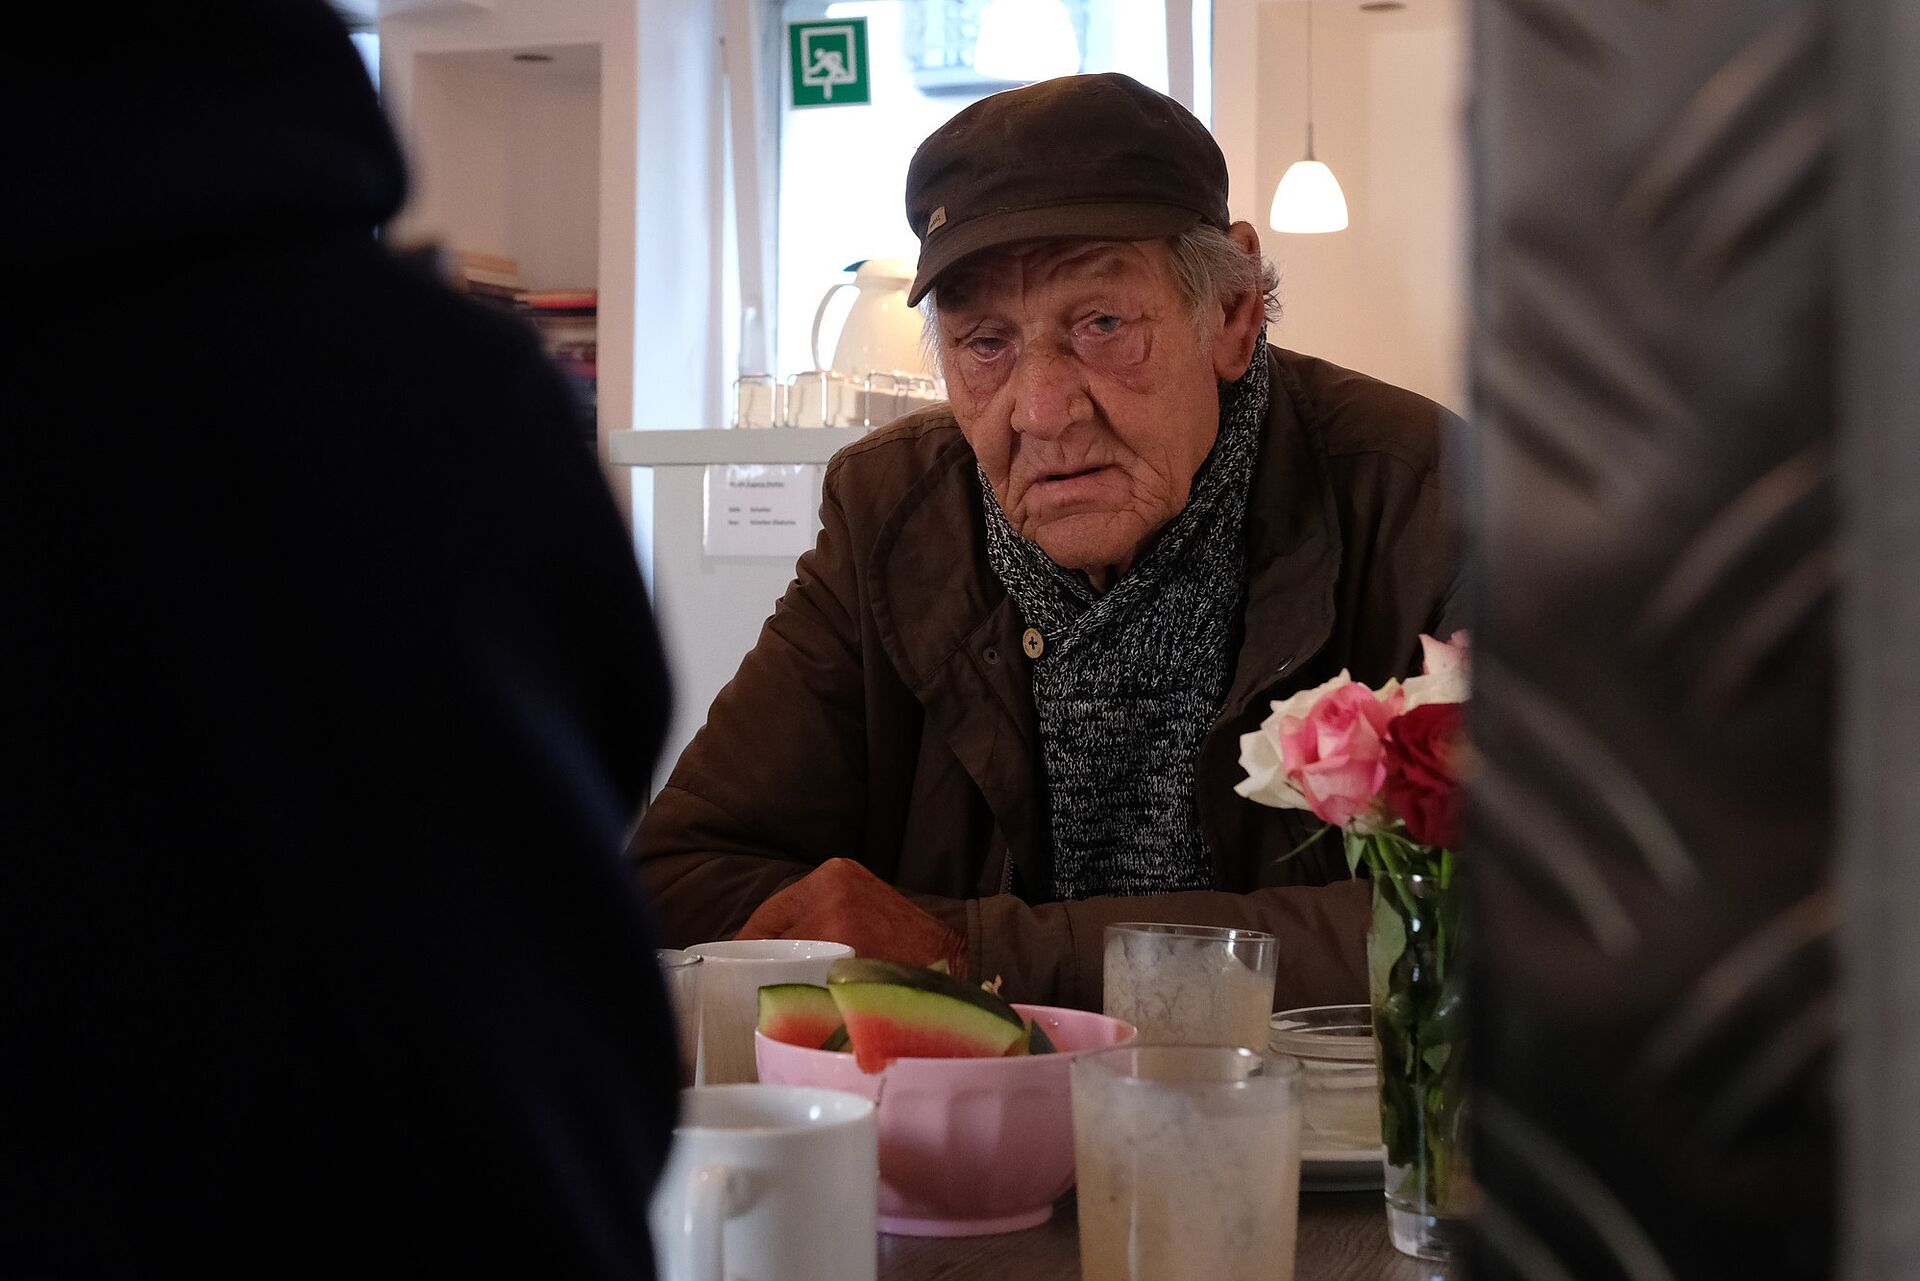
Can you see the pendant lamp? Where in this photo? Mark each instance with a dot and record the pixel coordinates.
(1026, 40)
(1308, 199)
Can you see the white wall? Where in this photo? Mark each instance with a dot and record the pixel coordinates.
(1388, 295)
(507, 159)
(659, 237)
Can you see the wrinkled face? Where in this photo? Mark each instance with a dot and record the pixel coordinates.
(1088, 390)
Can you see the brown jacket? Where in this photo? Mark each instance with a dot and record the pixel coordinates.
(886, 713)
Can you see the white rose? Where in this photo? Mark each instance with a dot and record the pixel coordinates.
(1446, 672)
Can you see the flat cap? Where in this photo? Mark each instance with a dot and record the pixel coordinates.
(1100, 156)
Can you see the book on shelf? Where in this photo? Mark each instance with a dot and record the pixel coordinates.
(577, 301)
(503, 296)
(567, 321)
(497, 268)
(493, 279)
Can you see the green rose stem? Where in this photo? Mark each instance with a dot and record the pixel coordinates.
(1415, 1011)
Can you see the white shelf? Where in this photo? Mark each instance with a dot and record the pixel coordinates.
(741, 445)
(413, 8)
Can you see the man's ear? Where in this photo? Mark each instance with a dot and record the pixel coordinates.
(1240, 320)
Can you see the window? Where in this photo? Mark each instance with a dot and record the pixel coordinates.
(843, 169)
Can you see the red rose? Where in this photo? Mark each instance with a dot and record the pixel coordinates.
(1423, 782)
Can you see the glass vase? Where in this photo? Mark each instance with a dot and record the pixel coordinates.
(1417, 991)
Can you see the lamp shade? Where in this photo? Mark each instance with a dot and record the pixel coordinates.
(1026, 40)
(1308, 200)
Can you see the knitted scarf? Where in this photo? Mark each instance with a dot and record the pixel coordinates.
(1131, 679)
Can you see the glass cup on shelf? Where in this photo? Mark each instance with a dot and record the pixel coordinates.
(1191, 984)
(757, 400)
(879, 398)
(1188, 1163)
(890, 394)
(823, 398)
(680, 972)
(917, 391)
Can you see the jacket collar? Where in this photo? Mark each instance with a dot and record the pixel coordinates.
(1293, 545)
(954, 635)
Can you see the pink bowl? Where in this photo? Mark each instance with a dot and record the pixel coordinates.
(967, 1146)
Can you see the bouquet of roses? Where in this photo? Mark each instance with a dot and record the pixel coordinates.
(1383, 766)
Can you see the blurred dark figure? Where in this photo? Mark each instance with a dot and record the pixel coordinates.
(331, 689)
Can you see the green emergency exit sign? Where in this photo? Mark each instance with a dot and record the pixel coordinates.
(829, 62)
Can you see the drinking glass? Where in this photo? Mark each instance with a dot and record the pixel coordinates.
(1191, 984)
(757, 400)
(1188, 1161)
(1339, 1078)
(680, 971)
(823, 398)
(879, 399)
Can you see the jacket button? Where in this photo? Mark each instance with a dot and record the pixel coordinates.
(1033, 642)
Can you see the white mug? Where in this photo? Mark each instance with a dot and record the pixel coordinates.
(680, 971)
(768, 1182)
(731, 977)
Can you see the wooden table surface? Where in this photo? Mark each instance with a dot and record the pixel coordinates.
(1343, 1237)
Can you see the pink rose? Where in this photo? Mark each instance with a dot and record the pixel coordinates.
(1336, 754)
(1266, 781)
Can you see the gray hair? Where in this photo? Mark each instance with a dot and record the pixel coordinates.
(1213, 270)
(1209, 266)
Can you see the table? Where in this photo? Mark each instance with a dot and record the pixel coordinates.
(1343, 1237)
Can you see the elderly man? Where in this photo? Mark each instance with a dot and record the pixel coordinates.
(999, 706)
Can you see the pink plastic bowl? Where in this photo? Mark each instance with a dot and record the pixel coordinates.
(967, 1146)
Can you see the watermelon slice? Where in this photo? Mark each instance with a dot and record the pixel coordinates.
(799, 1014)
(1036, 1041)
(903, 1011)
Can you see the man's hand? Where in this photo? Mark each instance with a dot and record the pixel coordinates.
(842, 902)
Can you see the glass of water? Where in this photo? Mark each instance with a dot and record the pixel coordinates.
(1188, 1163)
(1191, 984)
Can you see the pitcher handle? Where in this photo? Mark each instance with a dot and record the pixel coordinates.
(819, 315)
(703, 1222)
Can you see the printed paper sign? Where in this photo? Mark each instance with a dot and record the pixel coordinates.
(760, 509)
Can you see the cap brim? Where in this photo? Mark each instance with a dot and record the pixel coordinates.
(1133, 221)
